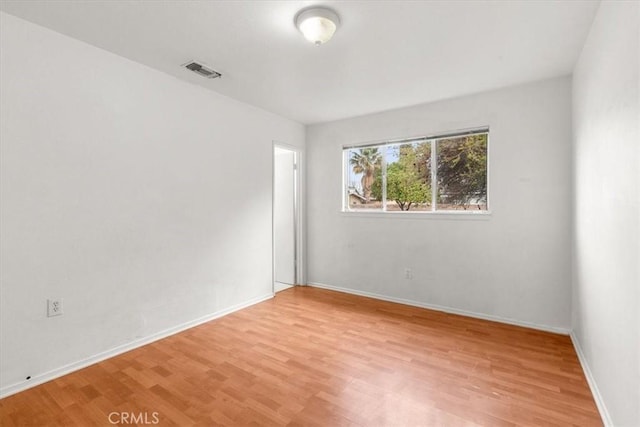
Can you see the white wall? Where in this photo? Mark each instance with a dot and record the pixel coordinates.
(606, 299)
(514, 264)
(143, 201)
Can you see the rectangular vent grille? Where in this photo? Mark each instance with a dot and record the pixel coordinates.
(202, 70)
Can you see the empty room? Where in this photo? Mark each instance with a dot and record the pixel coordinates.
(335, 213)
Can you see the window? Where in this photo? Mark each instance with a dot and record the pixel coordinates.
(441, 173)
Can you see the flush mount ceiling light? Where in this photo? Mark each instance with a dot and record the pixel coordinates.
(317, 24)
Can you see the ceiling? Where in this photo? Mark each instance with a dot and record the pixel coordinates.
(385, 55)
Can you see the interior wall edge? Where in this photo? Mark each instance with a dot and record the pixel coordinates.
(132, 345)
(445, 309)
(593, 386)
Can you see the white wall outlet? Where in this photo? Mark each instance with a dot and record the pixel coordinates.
(54, 307)
(408, 273)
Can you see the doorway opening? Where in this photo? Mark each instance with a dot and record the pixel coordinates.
(286, 217)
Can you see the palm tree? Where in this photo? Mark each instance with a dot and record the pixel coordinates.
(366, 161)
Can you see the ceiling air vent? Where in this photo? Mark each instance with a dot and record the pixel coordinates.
(202, 70)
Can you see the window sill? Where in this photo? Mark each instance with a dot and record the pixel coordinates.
(438, 215)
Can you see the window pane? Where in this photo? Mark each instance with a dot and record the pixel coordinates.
(364, 178)
(462, 173)
(409, 176)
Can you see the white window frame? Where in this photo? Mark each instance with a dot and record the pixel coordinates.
(432, 139)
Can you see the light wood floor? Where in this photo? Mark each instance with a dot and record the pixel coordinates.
(321, 358)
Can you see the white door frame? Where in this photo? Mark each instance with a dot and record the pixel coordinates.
(298, 217)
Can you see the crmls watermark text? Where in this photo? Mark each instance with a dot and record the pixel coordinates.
(134, 418)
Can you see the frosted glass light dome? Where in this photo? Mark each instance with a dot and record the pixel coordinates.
(317, 24)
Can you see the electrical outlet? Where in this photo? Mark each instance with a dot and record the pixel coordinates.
(54, 307)
(408, 273)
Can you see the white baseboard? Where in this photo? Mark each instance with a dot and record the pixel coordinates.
(64, 370)
(279, 286)
(445, 309)
(604, 413)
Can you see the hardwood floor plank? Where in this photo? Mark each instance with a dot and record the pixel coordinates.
(313, 357)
